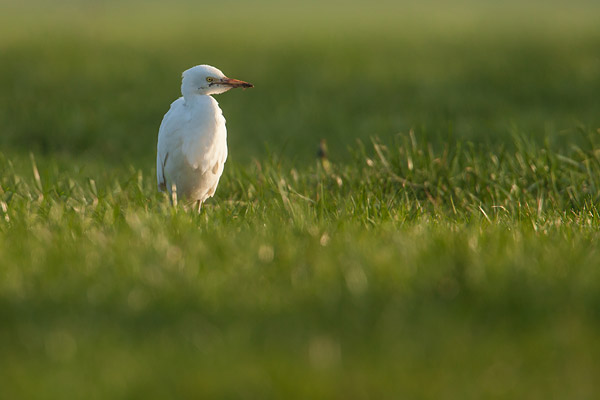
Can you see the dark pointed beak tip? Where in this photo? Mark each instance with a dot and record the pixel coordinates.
(236, 83)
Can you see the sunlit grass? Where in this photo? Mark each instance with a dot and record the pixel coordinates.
(348, 276)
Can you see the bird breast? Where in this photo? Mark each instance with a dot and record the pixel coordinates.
(204, 139)
(197, 149)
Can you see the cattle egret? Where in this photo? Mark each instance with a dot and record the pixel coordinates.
(192, 138)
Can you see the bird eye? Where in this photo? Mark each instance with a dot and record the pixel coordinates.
(209, 79)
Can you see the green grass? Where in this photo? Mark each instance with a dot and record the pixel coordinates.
(447, 248)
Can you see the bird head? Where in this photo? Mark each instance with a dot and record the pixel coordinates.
(207, 80)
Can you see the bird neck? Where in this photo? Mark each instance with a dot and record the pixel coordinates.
(195, 97)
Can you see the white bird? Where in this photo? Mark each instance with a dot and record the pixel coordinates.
(192, 139)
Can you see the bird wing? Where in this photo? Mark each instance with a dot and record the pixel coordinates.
(168, 139)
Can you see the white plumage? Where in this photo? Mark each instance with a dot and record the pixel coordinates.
(192, 139)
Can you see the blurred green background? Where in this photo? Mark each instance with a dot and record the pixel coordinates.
(458, 261)
(94, 78)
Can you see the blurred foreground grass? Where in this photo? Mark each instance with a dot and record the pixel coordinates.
(447, 249)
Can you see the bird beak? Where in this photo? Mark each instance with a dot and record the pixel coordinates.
(234, 83)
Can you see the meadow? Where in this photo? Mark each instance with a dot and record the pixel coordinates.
(446, 247)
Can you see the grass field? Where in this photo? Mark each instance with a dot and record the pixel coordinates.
(447, 248)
